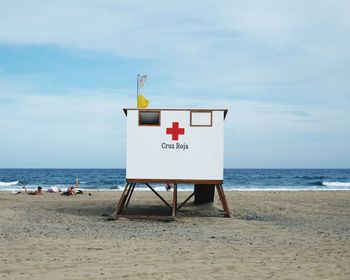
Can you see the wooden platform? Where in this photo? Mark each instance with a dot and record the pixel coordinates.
(128, 191)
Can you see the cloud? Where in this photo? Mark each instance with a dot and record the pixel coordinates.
(97, 24)
(280, 67)
(227, 45)
(78, 129)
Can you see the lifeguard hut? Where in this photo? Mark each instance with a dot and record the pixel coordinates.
(175, 146)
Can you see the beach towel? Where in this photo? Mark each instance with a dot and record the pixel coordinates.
(53, 190)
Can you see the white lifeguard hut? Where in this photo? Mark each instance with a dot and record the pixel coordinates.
(175, 146)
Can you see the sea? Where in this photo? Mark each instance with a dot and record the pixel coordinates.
(234, 179)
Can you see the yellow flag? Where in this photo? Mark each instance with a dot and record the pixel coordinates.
(142, 102)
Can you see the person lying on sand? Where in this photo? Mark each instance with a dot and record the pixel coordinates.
(39, 191)
(73, 190)
(70, 191)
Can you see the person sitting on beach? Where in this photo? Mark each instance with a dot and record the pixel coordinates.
(77, 183)
(39, 191)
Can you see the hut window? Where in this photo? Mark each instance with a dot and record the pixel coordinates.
(149, 118)
(201, 118)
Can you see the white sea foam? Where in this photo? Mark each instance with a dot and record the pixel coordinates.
(316, 189)
(8, 184)
(336, 184)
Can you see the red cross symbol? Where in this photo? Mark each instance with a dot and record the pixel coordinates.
(175, 131)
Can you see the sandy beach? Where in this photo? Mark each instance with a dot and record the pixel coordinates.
(272, 235)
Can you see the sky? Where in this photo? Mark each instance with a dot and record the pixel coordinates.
(281, 68)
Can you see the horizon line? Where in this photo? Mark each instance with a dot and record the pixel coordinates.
(117, 168)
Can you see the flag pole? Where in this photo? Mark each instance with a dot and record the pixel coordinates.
(137, 92)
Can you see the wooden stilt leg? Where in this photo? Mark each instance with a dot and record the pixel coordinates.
(174, 200)
(122, 195)
(223, 200)
(228, 211)
(130, 194)
(126, 196)
(122, 199)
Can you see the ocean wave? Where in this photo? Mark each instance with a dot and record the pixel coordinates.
(310, 177)
(8, 184)
(336, 184)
